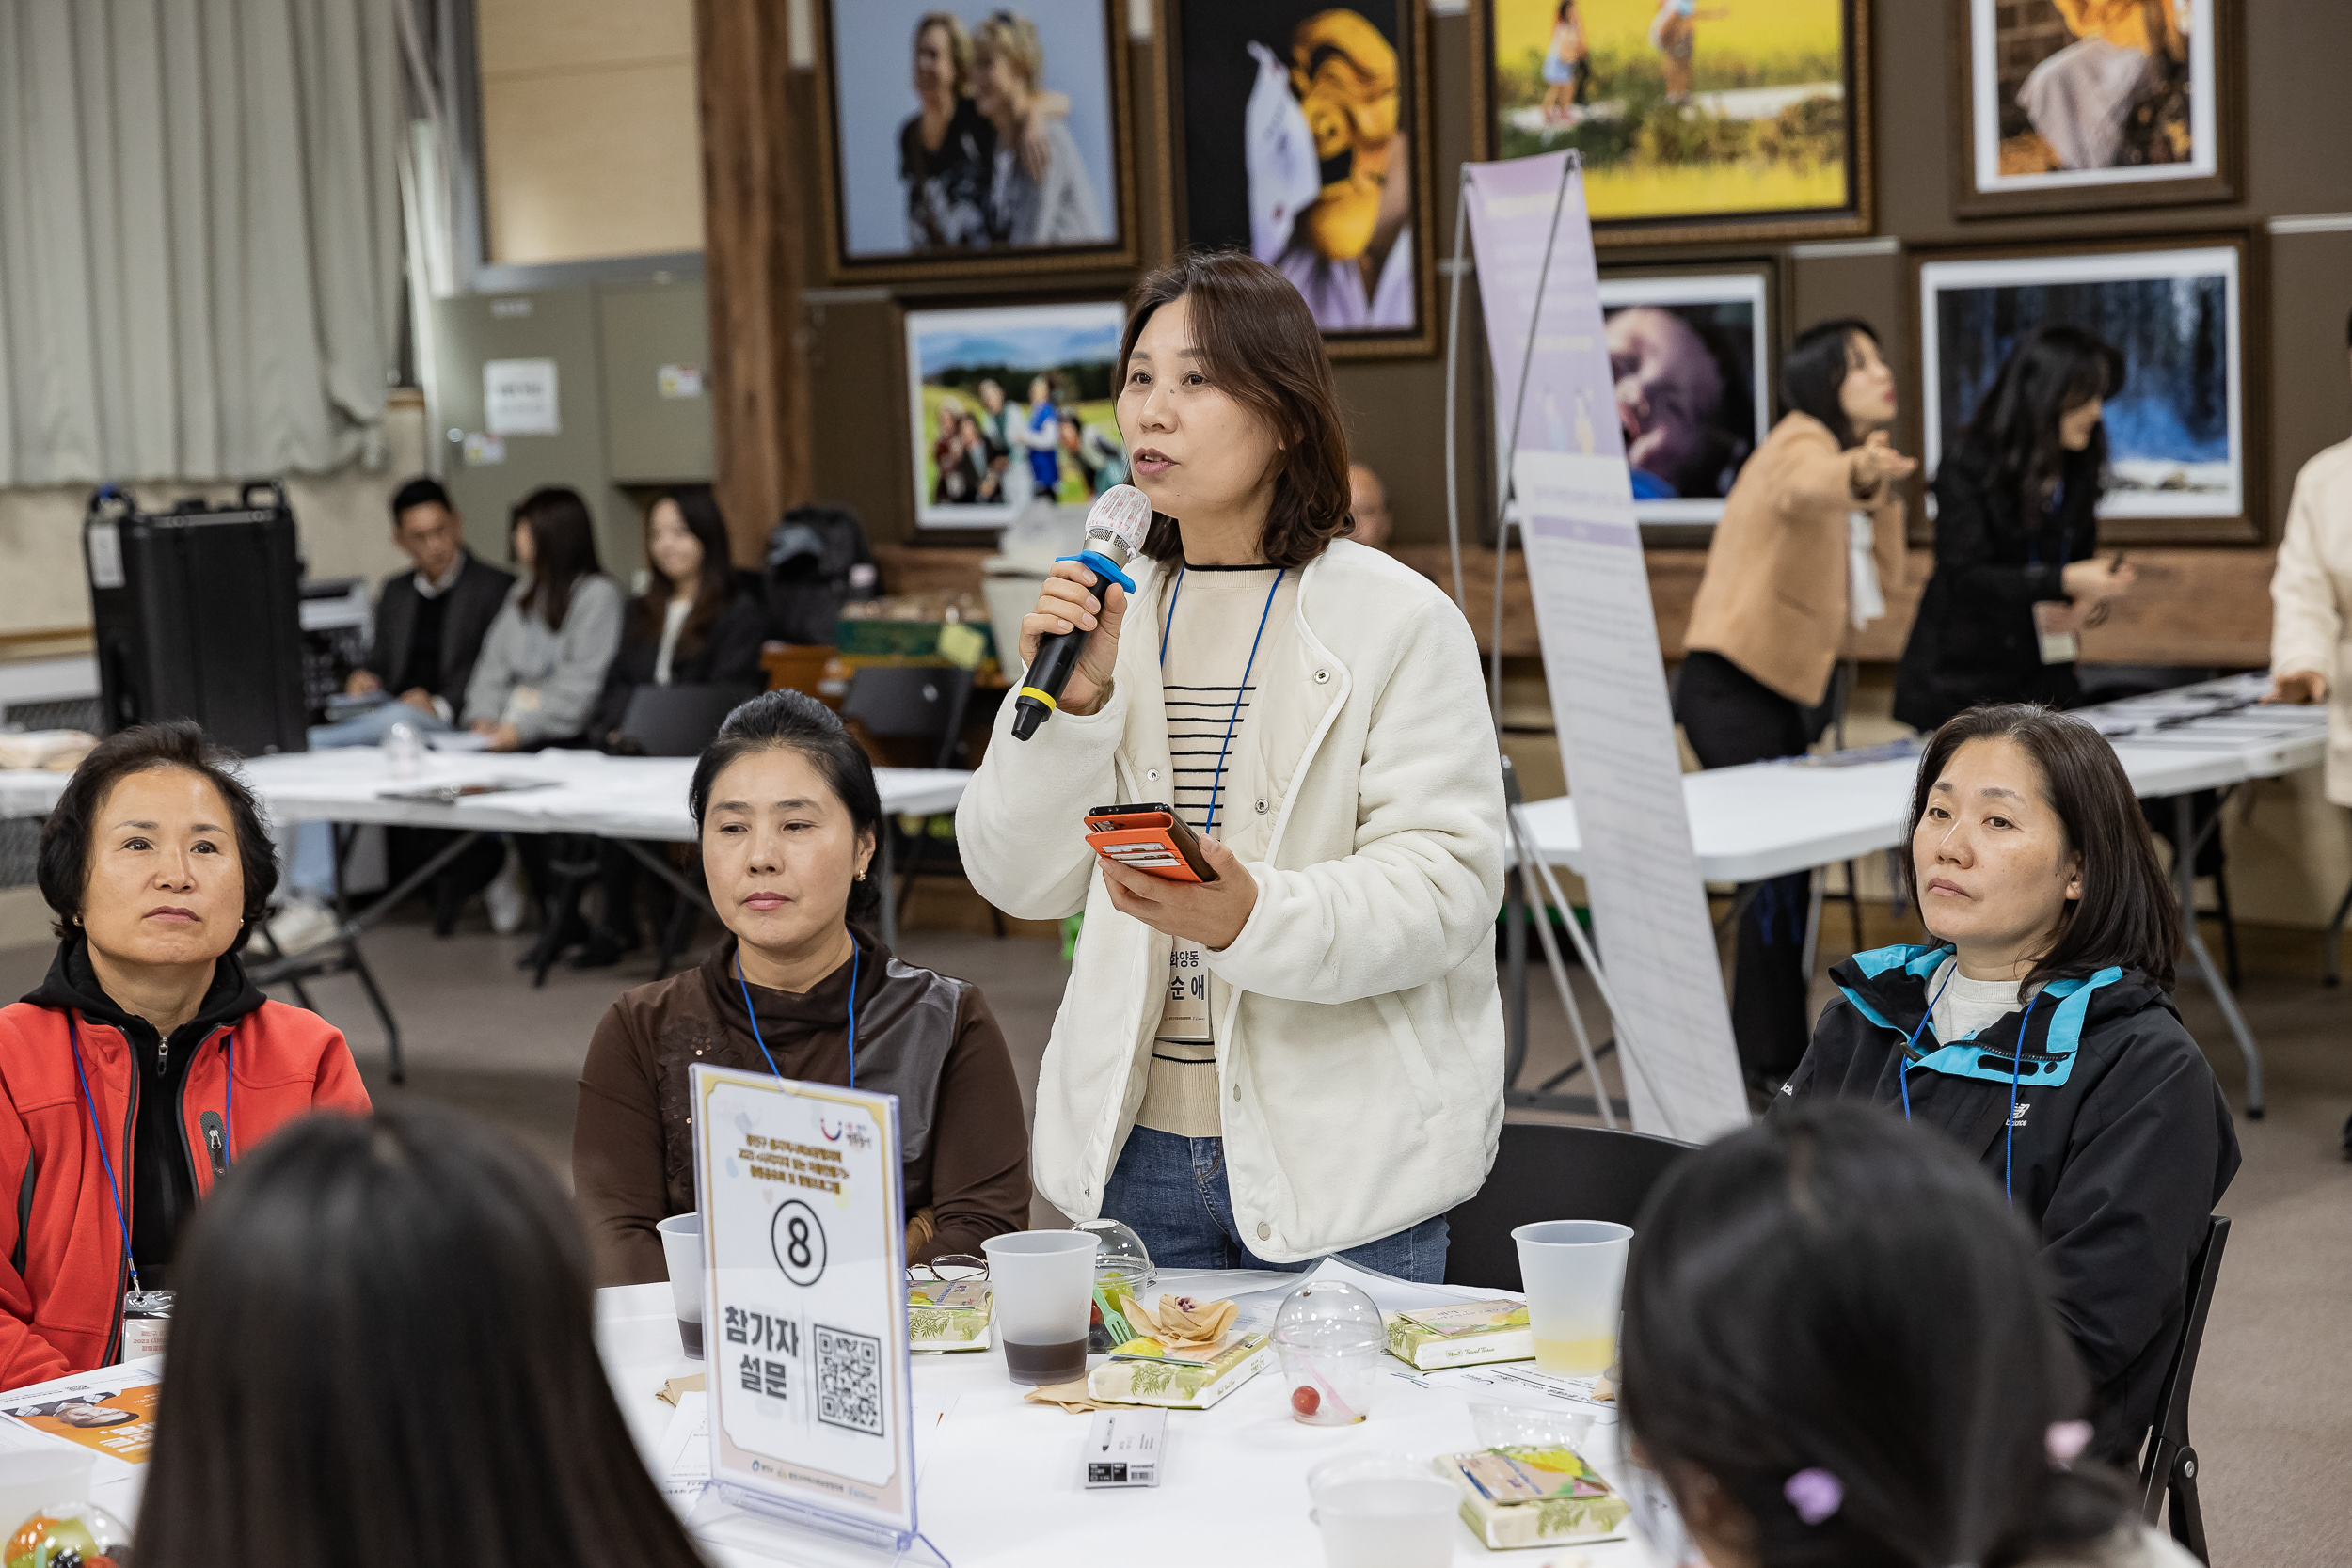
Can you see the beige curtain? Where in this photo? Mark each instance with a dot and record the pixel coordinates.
(199, 236)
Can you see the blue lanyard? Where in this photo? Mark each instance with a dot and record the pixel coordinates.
(753, 1013)
(1241, 693)
(89, 1103)
(2016, 1066)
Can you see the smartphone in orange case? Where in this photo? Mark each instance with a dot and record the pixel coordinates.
(1150, 838)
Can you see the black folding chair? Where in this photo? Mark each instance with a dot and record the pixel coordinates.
(1547, 1172)
(2168, 1473)
(660, 722)
(925, 703)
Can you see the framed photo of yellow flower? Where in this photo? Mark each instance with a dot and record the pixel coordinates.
(1299, 132)
(1697, 120)
(2071, 103)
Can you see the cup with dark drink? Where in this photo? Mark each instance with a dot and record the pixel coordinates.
(1043, 1282)
(682, 1250)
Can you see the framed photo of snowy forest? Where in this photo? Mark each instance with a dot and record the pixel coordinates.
(2066, 105)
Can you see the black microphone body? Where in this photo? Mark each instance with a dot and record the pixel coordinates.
(1041, 689)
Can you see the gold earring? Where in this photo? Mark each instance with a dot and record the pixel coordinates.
(861, 876)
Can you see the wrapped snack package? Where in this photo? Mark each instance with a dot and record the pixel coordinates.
(1531, 1495)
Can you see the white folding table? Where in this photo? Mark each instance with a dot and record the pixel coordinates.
(1771, 818)
(624, 799)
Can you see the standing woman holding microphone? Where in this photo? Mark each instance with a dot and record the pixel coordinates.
(1811, 535)
(2016, 532)
(1304, 1056)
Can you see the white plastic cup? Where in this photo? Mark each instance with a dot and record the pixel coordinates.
(1383, 1511)
(682, 1250)
(1043, 1283)
(37, 1481)
(1574, 1275)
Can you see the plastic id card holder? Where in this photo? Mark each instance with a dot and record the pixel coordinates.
(804, 1318)
(1149, 838)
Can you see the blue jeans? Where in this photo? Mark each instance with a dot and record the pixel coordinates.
(1171, 1192)
(312, 874)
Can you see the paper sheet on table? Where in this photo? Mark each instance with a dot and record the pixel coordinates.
(1400, 1295)
(1520, 1383)
(43, 1415)
(457, 740)
(685, 1451)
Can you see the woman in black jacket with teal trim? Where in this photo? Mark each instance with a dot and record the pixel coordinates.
(2016, 532)
(2038, 1029)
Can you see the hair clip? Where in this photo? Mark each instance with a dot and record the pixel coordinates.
(1814, 1494)
(2066, 1441)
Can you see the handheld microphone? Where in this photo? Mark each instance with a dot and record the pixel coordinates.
(1115, 530)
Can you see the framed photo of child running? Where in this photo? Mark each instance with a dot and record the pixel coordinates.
(1696, 120)
(1300, 131)
(2066, 105)
(973, 138)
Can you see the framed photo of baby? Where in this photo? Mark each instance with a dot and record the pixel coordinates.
(2073, 103)
(1697, 120)
(1300, 130)
(973, 138)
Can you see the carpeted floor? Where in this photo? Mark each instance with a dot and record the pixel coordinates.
(2273, 1409)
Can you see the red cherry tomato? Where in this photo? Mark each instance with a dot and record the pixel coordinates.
(1305, 1400)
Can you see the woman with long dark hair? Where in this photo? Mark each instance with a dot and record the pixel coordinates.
(544, 660)
(384, 1353)
(1838, 1351)
(789, 811)
(2036, 1027)
(1305, 1055)
(1810, 538)
(2016, 537)
(698, 623)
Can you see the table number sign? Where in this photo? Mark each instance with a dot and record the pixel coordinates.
(805, 1325)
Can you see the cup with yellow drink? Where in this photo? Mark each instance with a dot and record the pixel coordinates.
(1574, 1275)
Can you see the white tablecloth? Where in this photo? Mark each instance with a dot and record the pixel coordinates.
(641, 798)
(1770, 818)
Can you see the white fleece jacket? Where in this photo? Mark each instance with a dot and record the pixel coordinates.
(1360, 1055)
(2311, 588)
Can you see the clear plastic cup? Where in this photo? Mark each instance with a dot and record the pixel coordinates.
(1574, 1273)
(1043, 1283)
(1330, 1338)
(1383, 1511)
(682, 1250)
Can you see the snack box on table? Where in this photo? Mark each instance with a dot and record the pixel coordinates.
(1181, 1383)
(948, 1316)
(1462, 1335)
(1532, 1495)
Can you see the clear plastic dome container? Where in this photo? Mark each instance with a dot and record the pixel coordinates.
(1330, 1340)
(1122, 1268)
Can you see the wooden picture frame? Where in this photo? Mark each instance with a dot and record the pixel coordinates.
(2214, 54)
(1104, 111)
(1213, 94)
(2163, 511)
(1853, 216)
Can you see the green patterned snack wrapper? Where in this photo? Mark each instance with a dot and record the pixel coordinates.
(1462, 1335)
(1532, 1495)
(947, 1316)
(1181, 1384)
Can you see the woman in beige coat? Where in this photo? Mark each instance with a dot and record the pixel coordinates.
(1810, 535)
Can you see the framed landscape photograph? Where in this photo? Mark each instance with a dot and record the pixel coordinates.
(1006, 404)
(1301, 133)
(2073, 103)
(2182, 426)
(1695, 121)
(965, 138)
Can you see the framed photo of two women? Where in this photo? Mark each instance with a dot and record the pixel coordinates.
(975, 138)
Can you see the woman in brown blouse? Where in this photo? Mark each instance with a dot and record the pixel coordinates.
(788, 813)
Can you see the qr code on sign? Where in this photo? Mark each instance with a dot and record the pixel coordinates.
(849, 1380)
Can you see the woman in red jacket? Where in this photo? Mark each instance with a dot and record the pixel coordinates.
(146, 1061)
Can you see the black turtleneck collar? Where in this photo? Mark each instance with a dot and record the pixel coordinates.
(72, 982)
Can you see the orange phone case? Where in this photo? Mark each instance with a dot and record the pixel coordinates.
(1151, 839)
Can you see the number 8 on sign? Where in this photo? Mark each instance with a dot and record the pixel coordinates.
(798, 1241)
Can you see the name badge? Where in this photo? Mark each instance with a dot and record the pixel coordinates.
(2058, 642)
(146, 1323)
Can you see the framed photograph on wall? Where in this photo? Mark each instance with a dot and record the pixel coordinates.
(969, 138)
(1008, 402)
(2181, 428)
(1300, 132)
(1694, 355)
(1696, 122)
(2071, 103)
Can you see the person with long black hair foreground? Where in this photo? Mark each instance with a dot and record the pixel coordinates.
(2016, 532)
(2037, 1030)
(1837, 1353)
(384, 1355)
